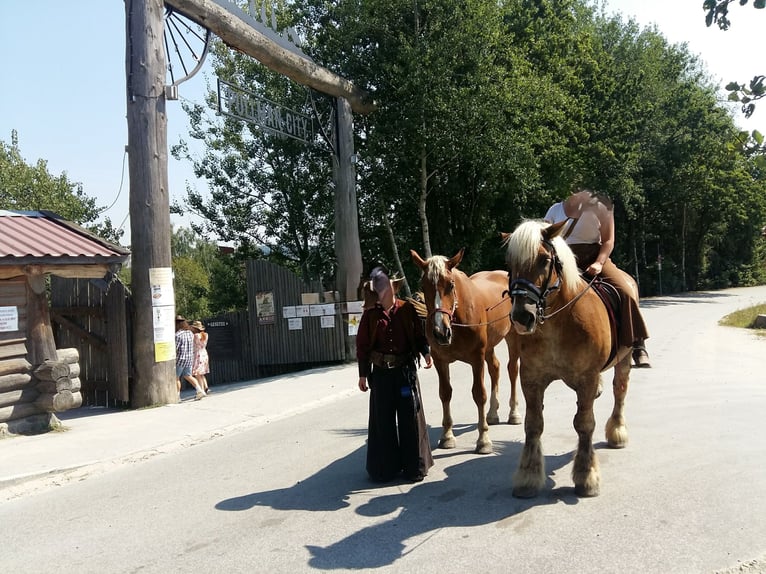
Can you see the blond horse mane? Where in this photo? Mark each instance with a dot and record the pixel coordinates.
(523, 245)
(437, 268)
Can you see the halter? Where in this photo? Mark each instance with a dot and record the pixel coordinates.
(525, 288)
(452, 311)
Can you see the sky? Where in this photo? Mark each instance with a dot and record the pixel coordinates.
(63, 85)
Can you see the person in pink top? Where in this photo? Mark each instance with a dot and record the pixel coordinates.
(201, 366)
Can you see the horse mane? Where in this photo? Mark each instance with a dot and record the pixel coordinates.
(524, 243)
(437, 268)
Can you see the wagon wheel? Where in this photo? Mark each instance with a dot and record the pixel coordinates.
(186, 46)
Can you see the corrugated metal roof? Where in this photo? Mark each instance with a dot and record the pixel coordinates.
(27, 234)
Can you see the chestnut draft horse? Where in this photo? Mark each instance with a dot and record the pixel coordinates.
(466, 318)
(565, 334)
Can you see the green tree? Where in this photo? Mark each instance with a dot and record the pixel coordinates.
(207, 279)
(26, 187)
(486, 114)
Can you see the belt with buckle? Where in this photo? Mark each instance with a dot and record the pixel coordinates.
(386, 361)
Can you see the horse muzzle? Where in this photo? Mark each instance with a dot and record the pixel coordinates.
(524, 317)
(442, 328)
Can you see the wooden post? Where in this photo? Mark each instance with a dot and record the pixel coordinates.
(347, 249)
(154, 382)
(41, 345)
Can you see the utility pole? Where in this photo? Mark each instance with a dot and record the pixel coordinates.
(153, 326)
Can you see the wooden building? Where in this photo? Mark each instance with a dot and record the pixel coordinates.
(37, 379)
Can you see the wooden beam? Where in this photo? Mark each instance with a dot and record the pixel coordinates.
(241, 36)
(74, 271)
(94, 340)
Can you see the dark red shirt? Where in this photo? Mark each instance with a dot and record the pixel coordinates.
(398, 331)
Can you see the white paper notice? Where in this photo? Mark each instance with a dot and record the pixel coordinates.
(9, 319)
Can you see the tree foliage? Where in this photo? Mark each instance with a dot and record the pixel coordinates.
(487, 113)
(207, 280)
(25, 187)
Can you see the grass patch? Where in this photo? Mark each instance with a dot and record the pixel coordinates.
(744, 318)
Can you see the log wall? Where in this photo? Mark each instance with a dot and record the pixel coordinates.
(17, 387)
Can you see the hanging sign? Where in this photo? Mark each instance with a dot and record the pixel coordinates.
(244, 105)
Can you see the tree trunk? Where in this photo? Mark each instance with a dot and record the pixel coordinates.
(422, 204)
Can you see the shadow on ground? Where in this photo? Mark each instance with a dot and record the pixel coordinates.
(475, 492)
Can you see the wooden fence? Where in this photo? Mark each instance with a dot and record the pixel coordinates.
(288, 326)
(93, 317)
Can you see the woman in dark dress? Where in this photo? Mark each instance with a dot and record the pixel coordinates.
(389, 341)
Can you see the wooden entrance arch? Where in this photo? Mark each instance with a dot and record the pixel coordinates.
(147, 146)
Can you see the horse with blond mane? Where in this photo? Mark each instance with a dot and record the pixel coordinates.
(565, 334)
(466, 319)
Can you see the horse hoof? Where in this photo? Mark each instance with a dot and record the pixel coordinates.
(495, 420)
(447, 443)
(524, 492)
(514, 419)
(484, 448)
(584, 491)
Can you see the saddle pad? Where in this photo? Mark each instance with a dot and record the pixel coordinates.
(611, 299)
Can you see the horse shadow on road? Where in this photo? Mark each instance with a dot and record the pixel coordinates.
(475, 492)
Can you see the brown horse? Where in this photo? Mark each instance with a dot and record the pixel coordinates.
(565, 334)
(467, 318)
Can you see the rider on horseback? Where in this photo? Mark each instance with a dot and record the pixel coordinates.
(591, 238)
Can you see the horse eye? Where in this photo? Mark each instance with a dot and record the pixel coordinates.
(450, 287)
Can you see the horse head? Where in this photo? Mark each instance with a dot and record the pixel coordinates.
(438, 286)
(535, 269)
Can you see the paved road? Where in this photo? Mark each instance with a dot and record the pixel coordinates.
(288, 493)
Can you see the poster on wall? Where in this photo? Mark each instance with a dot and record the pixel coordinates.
(295, 324)
(161, 286)
(327, 321)
(353, 322)
(163, 313)
(264, 307)
(9, 319)
(164, 327)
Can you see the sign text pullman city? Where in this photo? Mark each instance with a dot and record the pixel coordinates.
(236, 102)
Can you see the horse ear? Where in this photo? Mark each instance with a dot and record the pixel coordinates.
(504, 237)
(455, 260)
(397, 284)
(417, 259)
(554, 230)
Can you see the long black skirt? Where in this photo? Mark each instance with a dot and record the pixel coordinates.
(397, 439)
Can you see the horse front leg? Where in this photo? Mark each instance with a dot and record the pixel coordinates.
(514, 416)
(529, 477)
(484, 443)
(616, 430)
(447, 439)
(493, 366)
(585, 471)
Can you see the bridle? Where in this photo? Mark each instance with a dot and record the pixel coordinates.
(527, 289)
(451, 312)
(520, 287)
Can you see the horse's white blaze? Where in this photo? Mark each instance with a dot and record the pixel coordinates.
(437, 304)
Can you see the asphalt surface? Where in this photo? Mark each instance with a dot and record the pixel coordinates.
(688, 494)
